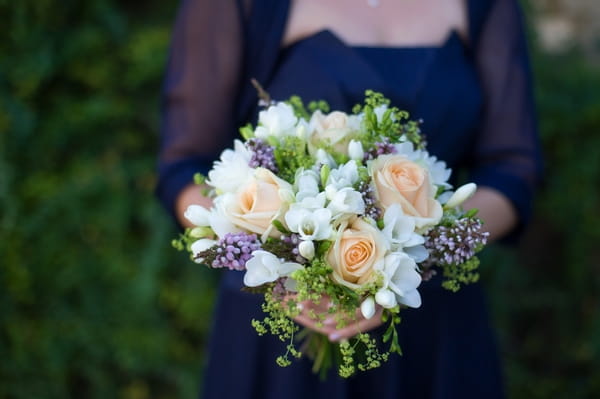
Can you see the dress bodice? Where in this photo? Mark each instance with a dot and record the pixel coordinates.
(437, 85)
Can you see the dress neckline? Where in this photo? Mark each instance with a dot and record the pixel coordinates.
(451, 37)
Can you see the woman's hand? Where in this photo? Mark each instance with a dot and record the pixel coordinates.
(327, 326)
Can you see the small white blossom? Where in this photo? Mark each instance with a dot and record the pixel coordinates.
(309, 224)
(386, 298)
(355, 150)
(399, 230)
(346, 202)
(461, 195)
(232, 170)
(307, 249)
(264, 267)
(306, 184)
(197, 215)
(343, 176)
(401, 277)
(324, 158)
(276, 121)
(367, 308)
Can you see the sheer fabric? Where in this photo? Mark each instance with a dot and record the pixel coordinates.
(200, 91)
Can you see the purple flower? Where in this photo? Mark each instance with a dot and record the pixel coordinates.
(456, 244)
(262, 155)
(233, 251)
(381, 147)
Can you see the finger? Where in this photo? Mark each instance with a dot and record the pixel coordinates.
(360, 326)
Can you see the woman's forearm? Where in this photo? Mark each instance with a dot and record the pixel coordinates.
(497, 212)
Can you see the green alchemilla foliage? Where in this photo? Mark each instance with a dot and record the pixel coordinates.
(96, 304)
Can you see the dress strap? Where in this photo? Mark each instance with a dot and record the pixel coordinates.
(263, 31)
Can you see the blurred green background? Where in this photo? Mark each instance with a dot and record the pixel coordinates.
(95, 303)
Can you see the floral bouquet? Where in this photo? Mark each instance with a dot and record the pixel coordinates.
(344, 209)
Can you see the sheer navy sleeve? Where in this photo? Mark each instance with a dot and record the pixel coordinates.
(200, 87)
(506, 155)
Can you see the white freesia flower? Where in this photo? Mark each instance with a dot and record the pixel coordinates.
(232, 170)
(302, 129)
(399, 230)
(461, 195)
(343, 176)
(418, 253)
(197, 215)
(264, 267)
(307, 249)
(355, 150)
(278, 120)
(400, 276)
(311, 203)
(386, 298)
(346, 202)
(218, 220)
(310, 224)
(306, 184)
(200, 246)
(367, 308)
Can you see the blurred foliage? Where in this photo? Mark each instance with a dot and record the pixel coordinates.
(96, 304)
(546, 295)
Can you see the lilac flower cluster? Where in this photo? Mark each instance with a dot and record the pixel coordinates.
(368, 195)
(262, 155)
(455, 244)
(234, 250)
(381, 147)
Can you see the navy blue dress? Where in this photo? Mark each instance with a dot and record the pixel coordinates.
(475, 103)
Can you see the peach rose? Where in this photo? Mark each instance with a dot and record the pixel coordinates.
(335, 129)
(357, 249)
(259, 202)
(398, 180)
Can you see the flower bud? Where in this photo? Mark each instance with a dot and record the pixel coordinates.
(355, 150)
(307, 249)
(461, 195)
(367, 308)
(386, 298)
(197, 215)
(324, 158)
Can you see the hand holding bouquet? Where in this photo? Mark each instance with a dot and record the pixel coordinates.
(348, 212)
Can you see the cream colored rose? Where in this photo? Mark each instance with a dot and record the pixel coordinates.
(263, 199)
(335, 129)
(398, 180)
(357, 249)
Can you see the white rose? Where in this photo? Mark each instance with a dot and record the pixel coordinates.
(335, 129)
(257, 203)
